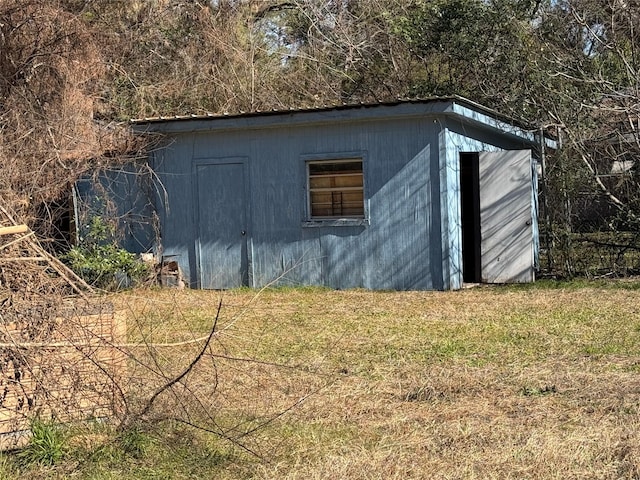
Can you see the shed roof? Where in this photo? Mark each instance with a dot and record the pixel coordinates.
(456, 106)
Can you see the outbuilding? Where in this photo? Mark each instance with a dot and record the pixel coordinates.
(407, 195)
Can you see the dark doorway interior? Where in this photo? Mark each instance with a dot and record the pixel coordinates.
(470, 216)
(55, 223)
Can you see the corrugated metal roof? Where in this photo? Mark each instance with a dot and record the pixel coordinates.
(343, 106)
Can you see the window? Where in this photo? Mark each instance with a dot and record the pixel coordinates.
(336, 189)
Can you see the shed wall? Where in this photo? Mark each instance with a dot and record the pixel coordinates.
(123, 195)
(399, 247)
(410, 238)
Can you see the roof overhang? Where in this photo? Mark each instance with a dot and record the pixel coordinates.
(459, 108)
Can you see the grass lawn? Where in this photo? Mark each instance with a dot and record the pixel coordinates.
(539, 382)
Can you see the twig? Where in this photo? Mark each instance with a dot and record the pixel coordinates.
(186, 370)
(23, 259)
(61, 269)
(222, 435)
(17, 240)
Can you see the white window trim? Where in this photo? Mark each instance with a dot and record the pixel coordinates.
(346, 221)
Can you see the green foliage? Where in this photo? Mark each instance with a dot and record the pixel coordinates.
(100, 261)
(93, 451)
(135, 441)
(529, 391)
(8, 469)
(47, 445)
(444, 24)
(482, 50)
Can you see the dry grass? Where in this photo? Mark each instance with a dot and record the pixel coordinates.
(535, 382)
(483, 383)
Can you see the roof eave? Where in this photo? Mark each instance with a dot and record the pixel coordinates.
(460, 107)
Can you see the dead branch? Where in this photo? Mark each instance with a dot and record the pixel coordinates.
(13, 229)
(186, 371)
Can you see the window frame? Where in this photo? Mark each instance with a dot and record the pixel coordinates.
(340, 157)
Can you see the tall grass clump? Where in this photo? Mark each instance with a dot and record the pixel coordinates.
(47, 445)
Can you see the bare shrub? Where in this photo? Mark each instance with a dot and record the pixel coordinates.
(53, 362)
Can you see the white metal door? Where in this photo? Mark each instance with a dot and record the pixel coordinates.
(506, 229)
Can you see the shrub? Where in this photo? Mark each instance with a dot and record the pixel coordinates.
(101, 262)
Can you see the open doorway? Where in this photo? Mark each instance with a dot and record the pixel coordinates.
(496, 192)
(470, 216)
(55, 222)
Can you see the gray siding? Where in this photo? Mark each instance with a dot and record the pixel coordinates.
(174, 203)
(396, 250)
(123, 195)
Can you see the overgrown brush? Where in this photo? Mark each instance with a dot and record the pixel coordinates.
(102, 263)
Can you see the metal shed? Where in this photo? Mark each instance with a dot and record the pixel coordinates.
(419, 194)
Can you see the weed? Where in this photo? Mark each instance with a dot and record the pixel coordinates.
(8, 469)
(135, 441)
(538, 391)
(47, 445)
(423, 394)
